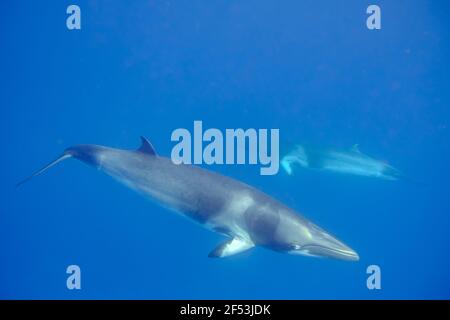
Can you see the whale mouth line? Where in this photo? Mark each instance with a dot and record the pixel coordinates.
(341, 253)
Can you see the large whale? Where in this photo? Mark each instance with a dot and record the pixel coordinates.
(247, 216)
(350, 161)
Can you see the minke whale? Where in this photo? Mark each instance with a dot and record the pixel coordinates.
(350, 161)
(247, 216)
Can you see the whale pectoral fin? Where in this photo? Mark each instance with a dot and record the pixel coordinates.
(231, 247)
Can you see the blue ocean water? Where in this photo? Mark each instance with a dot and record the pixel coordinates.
(310, 68)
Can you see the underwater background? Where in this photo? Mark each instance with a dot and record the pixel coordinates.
(310, 68)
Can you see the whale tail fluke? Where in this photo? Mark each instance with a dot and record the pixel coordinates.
(64, 156)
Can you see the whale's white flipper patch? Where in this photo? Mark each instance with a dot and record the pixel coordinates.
(231, 247)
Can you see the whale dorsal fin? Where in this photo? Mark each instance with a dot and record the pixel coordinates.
(146, 147)
(355, 148)
(231, 247)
